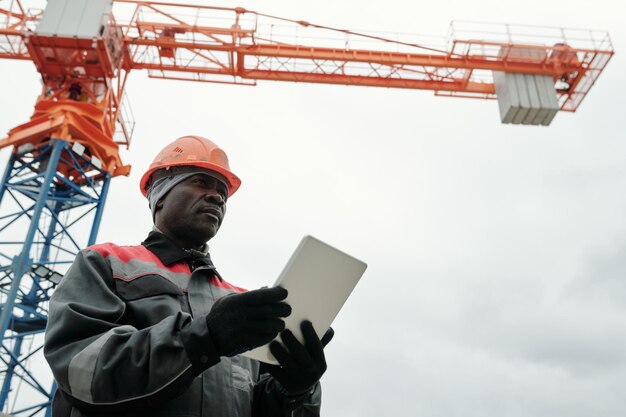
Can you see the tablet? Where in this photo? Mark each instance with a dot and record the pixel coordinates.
(319, 279)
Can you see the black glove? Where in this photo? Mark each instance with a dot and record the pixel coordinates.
(240, 322)
(301, 366)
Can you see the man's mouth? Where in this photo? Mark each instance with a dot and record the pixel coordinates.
(213, 212)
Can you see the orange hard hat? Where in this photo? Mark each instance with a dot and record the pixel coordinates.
(192, 151)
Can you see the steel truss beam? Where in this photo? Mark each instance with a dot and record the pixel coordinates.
(45, 219)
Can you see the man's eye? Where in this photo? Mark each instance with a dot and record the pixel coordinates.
(223, 191)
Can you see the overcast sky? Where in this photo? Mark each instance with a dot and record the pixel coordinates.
(497, 253)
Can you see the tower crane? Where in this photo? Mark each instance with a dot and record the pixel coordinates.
(55, 184)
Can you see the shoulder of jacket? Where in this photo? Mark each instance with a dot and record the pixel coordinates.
(123, 253)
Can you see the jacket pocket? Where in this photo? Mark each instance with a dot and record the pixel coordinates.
(145, 286)
(244, 386)
(149, 299)
(242, 378)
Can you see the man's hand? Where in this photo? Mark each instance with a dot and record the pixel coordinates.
(301, 366)
(240, 322)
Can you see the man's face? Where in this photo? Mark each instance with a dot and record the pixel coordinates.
(191, 213)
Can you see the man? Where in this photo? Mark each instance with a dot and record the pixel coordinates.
(154, 330)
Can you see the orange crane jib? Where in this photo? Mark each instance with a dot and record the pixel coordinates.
(84, 66)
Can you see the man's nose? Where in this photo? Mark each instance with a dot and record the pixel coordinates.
(215, 197)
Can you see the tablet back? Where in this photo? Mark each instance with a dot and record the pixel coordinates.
(319, 279)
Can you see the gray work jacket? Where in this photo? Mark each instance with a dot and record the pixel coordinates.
(127, 335)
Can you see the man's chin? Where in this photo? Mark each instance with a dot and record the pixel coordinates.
(208, 234)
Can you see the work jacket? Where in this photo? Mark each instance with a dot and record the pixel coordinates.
(127, 336)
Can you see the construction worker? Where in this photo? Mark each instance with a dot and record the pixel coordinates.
(154, 330)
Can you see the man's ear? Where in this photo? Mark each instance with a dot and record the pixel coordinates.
(159, 203)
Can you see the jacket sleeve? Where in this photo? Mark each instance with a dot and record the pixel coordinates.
(270, 401)
(103, 366)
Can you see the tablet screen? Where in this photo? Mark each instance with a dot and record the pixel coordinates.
(319, 279)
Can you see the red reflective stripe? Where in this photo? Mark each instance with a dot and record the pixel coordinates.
(126, 253)
(215, 281)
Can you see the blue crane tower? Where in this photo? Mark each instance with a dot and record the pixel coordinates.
(44, 220)
(54, 187)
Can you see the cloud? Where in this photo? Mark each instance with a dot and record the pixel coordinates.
(603, 281)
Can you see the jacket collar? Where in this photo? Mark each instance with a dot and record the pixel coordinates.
(167, 251)
(170, 253)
